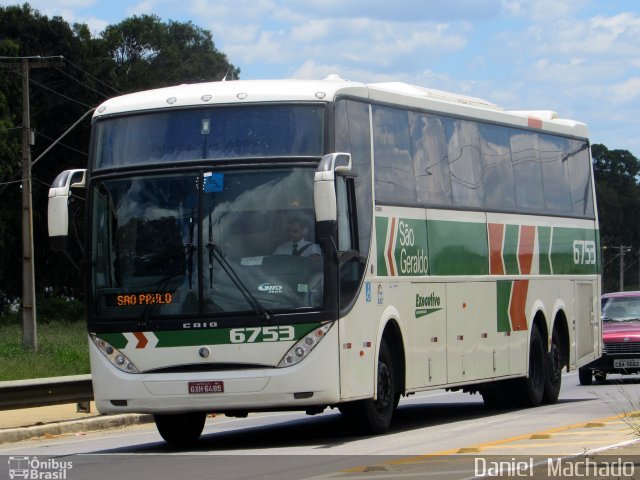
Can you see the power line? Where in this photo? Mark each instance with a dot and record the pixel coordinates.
(92, 77)
(81, 83)
(49, 89)
(61, 144)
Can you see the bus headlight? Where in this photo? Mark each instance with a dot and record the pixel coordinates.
(303, 347)
(115, 356)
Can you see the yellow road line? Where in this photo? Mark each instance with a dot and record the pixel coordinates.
(502, 442)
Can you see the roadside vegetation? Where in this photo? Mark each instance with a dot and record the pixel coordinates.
(62, 342)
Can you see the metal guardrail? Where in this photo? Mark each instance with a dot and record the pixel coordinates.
(45, 391)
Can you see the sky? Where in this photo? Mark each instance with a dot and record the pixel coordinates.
(580, 58)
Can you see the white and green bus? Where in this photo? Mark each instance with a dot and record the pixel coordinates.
(450, 245)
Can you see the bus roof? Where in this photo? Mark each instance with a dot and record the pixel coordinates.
(332, 87)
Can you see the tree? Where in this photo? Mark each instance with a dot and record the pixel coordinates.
(618, 196)
(142, 48)
(138, 53)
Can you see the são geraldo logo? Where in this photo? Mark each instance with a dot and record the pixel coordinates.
(33, 468)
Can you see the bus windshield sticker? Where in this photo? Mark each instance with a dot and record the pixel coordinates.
(251, 261)
(213, 182)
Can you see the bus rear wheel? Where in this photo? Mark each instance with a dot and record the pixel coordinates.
(553, 378)
(530, 390)
(180, 428)
(374, 416)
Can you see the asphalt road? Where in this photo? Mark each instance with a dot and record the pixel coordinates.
(293, 445)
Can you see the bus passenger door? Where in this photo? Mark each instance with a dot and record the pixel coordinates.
(585, 323)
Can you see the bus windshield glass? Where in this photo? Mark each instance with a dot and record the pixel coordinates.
(209, 134)
(209, 242)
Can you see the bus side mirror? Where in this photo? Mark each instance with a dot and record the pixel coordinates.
(58, 209)
(324, 188)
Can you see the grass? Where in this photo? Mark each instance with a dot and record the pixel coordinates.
(62, 348)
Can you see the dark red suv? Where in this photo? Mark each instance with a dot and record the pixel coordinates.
(620, 337)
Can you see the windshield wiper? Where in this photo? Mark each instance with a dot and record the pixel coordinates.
(189, 249)
(216, 253)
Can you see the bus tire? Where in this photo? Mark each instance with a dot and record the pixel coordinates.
(180, 428)
(553, 377)
(374, 416)
(530, 390)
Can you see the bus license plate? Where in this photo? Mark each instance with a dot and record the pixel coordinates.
(627, 363)
(206, 387)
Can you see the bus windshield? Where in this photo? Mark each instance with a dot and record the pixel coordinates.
(197, 243)
(210, 134)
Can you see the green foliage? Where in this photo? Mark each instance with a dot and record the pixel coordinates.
(62, 350)
(136, 54)
(140, 47)
(618, 196)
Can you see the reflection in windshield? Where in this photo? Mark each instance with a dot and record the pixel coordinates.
(621, 309)
(156, 238)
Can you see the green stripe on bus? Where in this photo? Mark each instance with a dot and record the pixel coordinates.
(224, 336)
(510, 249)
(218, 336)
(574, 251)
(116, 340)
(503, 289)
(458, 248)
(382, 225)
(544, 243)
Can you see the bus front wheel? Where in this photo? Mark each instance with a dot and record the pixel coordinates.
(180, 428)
(374, 416)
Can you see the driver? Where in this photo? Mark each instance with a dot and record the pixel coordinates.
(297, 245)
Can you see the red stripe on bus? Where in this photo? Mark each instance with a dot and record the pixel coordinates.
(518, 304)
(392, 270)
(496, 237)
(142, 340)
(525, 248)
(534, 122)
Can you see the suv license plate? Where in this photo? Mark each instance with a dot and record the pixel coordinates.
(206, 387)
(627, 363)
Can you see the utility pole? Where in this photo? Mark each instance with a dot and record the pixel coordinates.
(623, 249)
(29, 325)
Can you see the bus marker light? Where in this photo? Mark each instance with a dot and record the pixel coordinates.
(304, 346)
(346, 346)
(115, 357)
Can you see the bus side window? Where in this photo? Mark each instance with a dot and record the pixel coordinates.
(350, 264)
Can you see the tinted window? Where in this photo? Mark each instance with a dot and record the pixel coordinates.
(555, 173)
(213, 133)
(526, 171)
(394, 175)
(430, 159)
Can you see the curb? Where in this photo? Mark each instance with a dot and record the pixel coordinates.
(100, 422)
